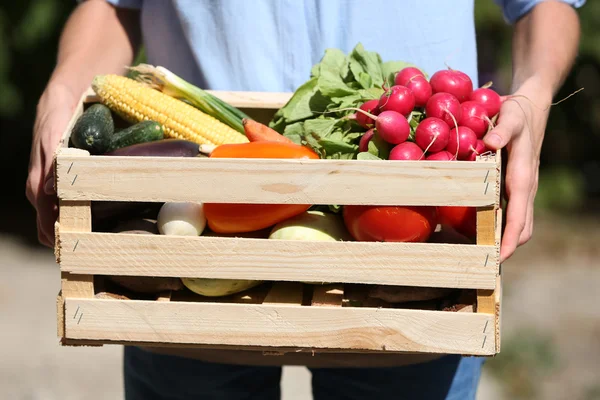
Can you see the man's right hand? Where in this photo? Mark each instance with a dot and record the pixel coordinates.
(54, 111)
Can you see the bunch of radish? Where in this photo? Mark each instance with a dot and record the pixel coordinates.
(452, 117)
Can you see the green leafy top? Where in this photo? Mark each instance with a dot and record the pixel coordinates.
(317, 115)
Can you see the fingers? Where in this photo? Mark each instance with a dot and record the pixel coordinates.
(508, 126)
(516, 217)
(528, 230)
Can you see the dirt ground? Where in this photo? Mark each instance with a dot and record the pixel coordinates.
(550, 306)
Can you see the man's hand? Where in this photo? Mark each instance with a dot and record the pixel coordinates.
(53, 113)
(520, 128)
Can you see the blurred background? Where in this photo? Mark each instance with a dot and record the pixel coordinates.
(551, 315)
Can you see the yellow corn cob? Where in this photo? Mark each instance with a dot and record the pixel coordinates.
(135, 102)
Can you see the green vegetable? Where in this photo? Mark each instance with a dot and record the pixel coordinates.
(218, 287)
(312, 225)
(93, 129)
(142, 132)
(316, 115)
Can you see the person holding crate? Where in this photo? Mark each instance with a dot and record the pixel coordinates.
(270, 45)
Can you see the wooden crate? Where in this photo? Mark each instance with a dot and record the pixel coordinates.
(285, 315)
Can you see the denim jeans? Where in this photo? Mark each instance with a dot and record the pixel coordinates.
(151, 376)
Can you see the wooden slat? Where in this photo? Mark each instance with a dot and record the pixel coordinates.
(280, 326)
(486, 235)
(74, 217)
(276, 180)
(408, 264)
(328, 295)
(285, 293)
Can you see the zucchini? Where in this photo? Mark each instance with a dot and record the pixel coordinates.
(142, 132)
(93, 129)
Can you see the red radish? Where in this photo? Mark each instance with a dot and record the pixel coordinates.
(371, 107)
(441, 156)
(474, 116)
(489, 99)
(392, 127)
(421, 90)
(407, 74)
(444, 106)
(455, 82)
(406, 151)
(363, 145)
(432, 134)
(479, 149)
(461, 142)
(397, 98)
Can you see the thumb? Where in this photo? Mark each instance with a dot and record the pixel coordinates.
(501, 134)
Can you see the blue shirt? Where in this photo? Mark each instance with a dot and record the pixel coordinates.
(271, 45)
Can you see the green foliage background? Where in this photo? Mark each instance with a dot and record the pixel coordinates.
(29, 32)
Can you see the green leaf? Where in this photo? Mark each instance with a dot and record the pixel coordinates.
(365, 80)
(372, 147)
(367, 62)
(365, 155)
(341, 149)
(298, 107)
(295, 132)
(320, 126)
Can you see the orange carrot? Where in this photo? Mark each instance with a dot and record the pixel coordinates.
(257, 132)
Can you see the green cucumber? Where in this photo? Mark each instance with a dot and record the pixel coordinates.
(142, 132)
(93, 129)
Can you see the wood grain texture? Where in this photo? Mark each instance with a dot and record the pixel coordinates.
(409, 264)
(276, 181)
(486, 235)
(74, 217)
(280, 326)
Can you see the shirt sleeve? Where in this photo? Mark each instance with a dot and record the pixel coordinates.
(515, 9)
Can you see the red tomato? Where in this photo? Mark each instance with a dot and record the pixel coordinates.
(462, 219)
(390, 223)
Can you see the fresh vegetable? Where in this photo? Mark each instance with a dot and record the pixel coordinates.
(406, 151)
(236, 217)
(257, 132)
(181, 219)
(93, 129)
(397, 98)
(461, 142)
(454, 82)
(218, 287)
(421, 89)
(392, 127)
(261, 150)
(318, 114)
(169, 83)
(432, 134)
(390, 223)
(142, 132)
(441, 156)
(363, 145)
(311, 225)
(474, 116)
(407, 74)
(135, 102)
(460, 218)
(371, 106)
(479, 149)
(489, 99)
(159, 148)
(444, 106)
